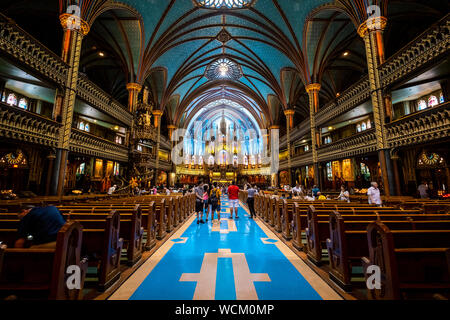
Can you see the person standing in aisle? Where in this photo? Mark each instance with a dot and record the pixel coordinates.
(233, 196)
(251, 200)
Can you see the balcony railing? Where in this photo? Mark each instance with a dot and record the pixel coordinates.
(358, 144)
(21, 46)
(298, 160)
(429, 45)
(22, 125)
(88, 144)
(95, 96)
(420, 127)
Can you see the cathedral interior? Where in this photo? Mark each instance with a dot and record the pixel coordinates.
(165, 95)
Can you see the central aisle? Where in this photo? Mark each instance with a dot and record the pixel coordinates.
(236, 260)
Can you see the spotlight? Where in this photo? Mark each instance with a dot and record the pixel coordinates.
(346, 53)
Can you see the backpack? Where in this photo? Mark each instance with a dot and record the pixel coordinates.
(214, 200)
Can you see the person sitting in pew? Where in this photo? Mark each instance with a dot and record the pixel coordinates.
(41, 224)
(344, 195)
(320, 196)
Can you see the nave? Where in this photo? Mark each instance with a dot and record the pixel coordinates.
(238, 259)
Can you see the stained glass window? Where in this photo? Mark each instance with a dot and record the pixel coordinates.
(116, 168)
(329, 171)
(306, 148)
(433, 101)
(23, 103)
(358, 128)
(224, 4)
(81, 126)
(87, 127)
(369, 124)
(363, 126)
(422, 105)
(441, 98)
(4, 97)
(12, 99)
(224, 68)
(81, 169)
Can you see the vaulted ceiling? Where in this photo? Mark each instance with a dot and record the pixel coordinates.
(279, 45)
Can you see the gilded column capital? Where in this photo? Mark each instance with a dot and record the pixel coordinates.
(171, 127)
(72, 22)
(274, 127)
(157, 113)
(134, 86)
(289, 112)
(313, 87)
(372, 24)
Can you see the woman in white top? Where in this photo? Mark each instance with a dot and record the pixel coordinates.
(344, 195)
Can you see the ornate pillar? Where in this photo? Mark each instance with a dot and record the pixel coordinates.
(395, 159)
(157, 115)
(133, 92)
(71, 51)
(372, 32)
(51, 160)
(172, 128)
(289, 125)
(313, 93)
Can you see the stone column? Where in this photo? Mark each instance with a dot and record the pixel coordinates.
(313, 93)
(172, 128)
(289, 125)
(157, 115)
(395, 159)
(372, 33)
(51, 160)
(71, 51)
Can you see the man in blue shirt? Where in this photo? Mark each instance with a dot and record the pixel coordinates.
(315, 191)
(41, 223)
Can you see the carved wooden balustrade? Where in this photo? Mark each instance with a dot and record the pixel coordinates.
(95, 96)
(298, 160)
(349, 99)
(19, 45)
(22, 125)
(88, 144)
(358, 144)
(145, 132)
(420, 127)
(430, 45)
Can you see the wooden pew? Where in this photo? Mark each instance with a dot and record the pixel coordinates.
(104, 247)
(160, 214)
(413, 263)
(346, 244)
(151, 227)
(38, 273)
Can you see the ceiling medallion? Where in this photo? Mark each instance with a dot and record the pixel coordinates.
(224, 36)
(223, 69)
(224, 4)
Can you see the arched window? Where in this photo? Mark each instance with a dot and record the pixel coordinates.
(81, 169)
(369, 124)
(329, 172)
(433, 101)
(23, 103)
(81, 126)
(116, 168)
(12, 99)
(358, 128)
(363, 126)
(4, 96)
(441, 98)
(422, 105)
(87, 127)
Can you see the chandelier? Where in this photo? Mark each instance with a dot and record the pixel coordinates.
(224, 4)
(223, 68)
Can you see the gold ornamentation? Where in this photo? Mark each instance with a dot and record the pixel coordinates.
(134, 86)
(67, 18)
(313, 87)
(372, 24)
